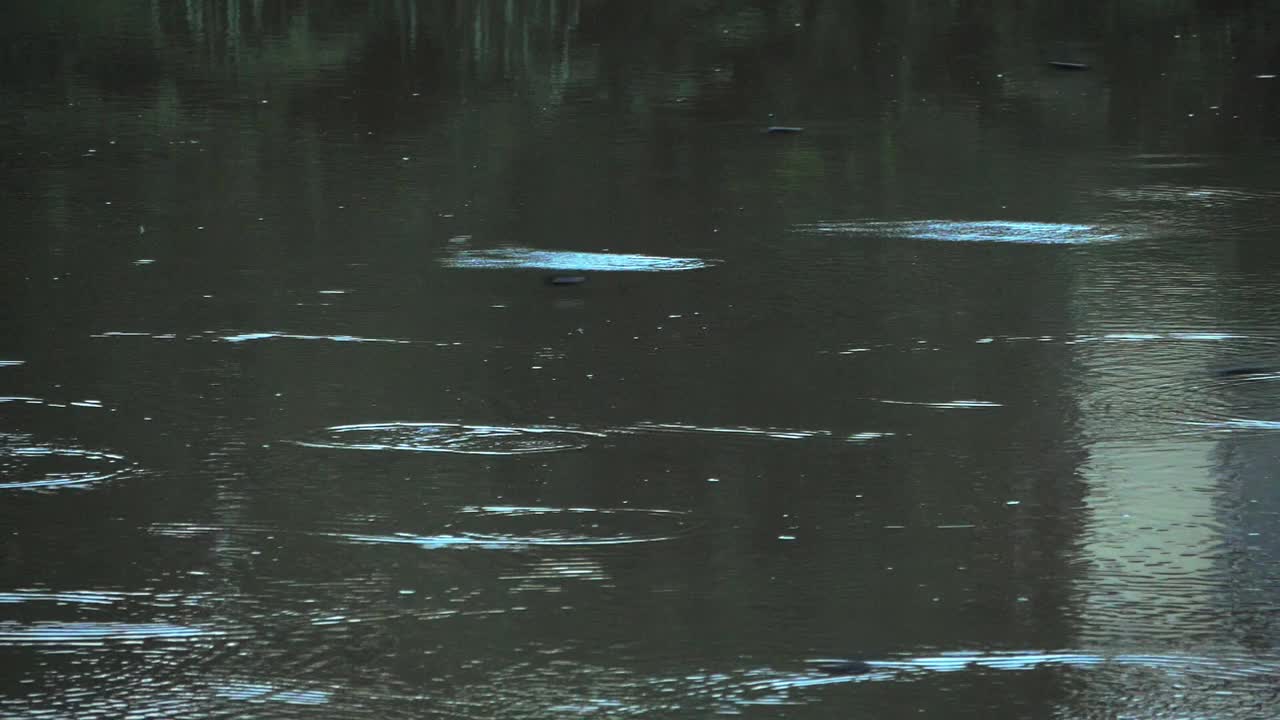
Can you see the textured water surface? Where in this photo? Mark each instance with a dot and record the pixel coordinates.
(492, 360)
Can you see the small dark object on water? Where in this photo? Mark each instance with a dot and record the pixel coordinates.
(844, 667)
(783, 130)
(1244, 371)
(1067, 65)
(566, 279)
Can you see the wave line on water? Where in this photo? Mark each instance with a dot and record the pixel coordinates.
(1211, 336)
(74, 633)
(1014, 661)
(527, 258)
(748, 431)
(945, 404)
(777, 433)
(272, 335)
(14, 458)
(1235, 424)
(571, 526)
(542, 510)
(977, 231)
(495, 541)
(452, 438)
(72, 597)
(518, 440)
(260, 692)
(21, 399)
(120, 333)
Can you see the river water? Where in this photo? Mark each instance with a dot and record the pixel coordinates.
(975, 379)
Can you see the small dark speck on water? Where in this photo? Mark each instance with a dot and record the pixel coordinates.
(566, 279)
(783, 130)
(1061, 65)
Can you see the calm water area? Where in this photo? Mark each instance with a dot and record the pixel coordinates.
(971, 376)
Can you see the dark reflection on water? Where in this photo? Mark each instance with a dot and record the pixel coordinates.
(973, 379)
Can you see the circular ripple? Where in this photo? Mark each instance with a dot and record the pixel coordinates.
(450, 438)
(28, 466)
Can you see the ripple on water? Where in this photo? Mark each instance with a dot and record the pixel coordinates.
(565, 688)
(1144, 385)
(71, 597)
(1169, 161)
(26, 465)
(493, 527)
(1222, 211)
(1196, 196)
(1227, 667)
(945, 404)
(525, 528)
(979, 231)
(263, 692)
(275, 335)
(450, 438)
(747, 431)
(526, 258)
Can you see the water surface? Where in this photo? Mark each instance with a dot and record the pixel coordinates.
(975, 379)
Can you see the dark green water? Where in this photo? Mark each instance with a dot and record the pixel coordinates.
(977, 378)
